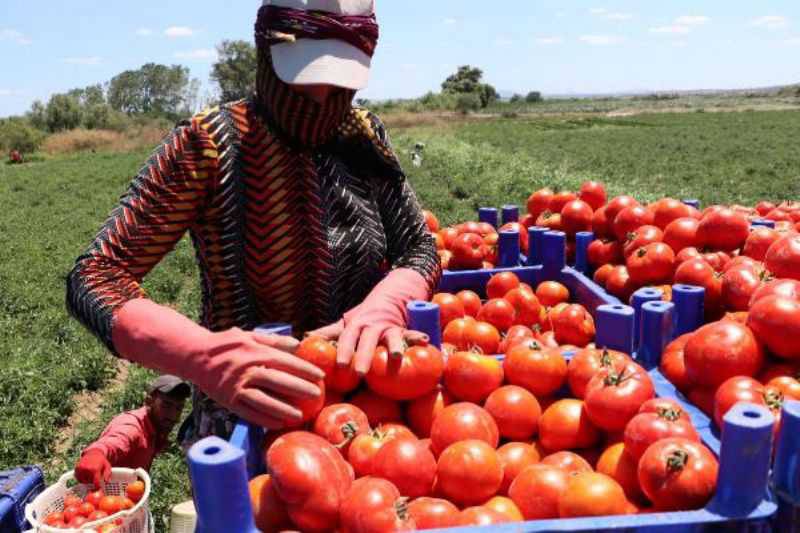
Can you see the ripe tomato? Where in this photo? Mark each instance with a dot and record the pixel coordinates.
(134, 491)
(480, 516)
(588, 362)
(630, 219)
(620, 465)
(77, 522)
(734, 390)
(268, 511)
(652, 264)
(551, 293)
(601, 274)
(445, 257)
(483, 337)
(516, 335)
(601, 225)
(505, 506)
(669, 210)
(499, 313)
(686, 254)
(717, 260)
(593, 193)
(678, 474)
(742, 261)
(592, 494)
(322, 353)
(379, 410)
(738, 286)
(774, 370)
(681, 234)
(540, 370)
(71, 500)
(108, 504)
(516, 412)
(786, 385)
(523, 234)
(469, 472)
(450, 307)
(310, 477)
(703, 398)
(95, 496)
(515, 457)
(539, 202)
(99, 515)
(646, 428)
(602, 252)
(408, 377)
(471, 302)
(576, 216)
(471, 376)
(620, 284)
(421, 411)
(779, 215)
(85, 509)
(340, 423)
(560, 199)
(673, 365)
(616, 205)
(641, 237)
(374, 505)
(433, 513)
(550, 220)
(537, 490)
(759, 241)
(763, 207)
(463, 421)
(570, 462)
(469, 252)
(783, 257)
(723, 229)
(527, 309)
(699, 273)
(431, 221)
(565, 425)
(364, 448)
(573, 325)
(787, 288)
(54, 518)
(721, 350)
(500, 284)
(615, 394)
(409, 464)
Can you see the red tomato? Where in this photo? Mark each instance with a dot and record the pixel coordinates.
(516, 412)
(523, 234)
(134, 491)
(374, 505)
(618, 204)
(787, 288)
(94, 498)
(686, 254)
(378, 409)
(774, 370)
(542, 371)
(414, 374)
(560, 199)
(322, 353)
(601, 252)
(469, 472)
(630, 219)
(537, 490)
(268, 511)
(450, 307)
(516, 335)
(99, 515)
(592, 494)
(742, 261)
(108, 504)
(620, 284)
(445, 257)
(463, 421)
(617, 463)
(472, 377)
(602, 274)
(364, 448)
(738, 286)
(652, 264)
(528, 220)
(723, 229)
(500, 284)
(734, 390)
(471, 302)
(515, 457)
(433, 513)
(552, 293)
(699, 273)
(431, 221)
(570, 462)
(681, 234)
(409, 464)
(646, 428)
(593, 193)
(673, 365)
(469, 252)
(759, 241)
(539, 202)
(588, 362)
(565, 425)
(527, 309)
(717, 260)
(483, 337)
(340, 423)
(54, 518)
(550, 220)
(77, 522)
(783, 257)
(601, 225)
(641, 237)
(615, 394)
(763, 207)
(448, 237)
(703, 398)
(576, 216)
(499, 313)
(573, 325)
(421, 412)
(786, 385)
(85, 509)
(721, 350)
(669, 210)
(779, 215)
(71, 500)
(678, 474)
(505, 506)
(481, 516)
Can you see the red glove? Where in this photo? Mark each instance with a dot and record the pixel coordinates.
(93, 468)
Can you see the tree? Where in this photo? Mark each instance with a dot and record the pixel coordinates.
(533, 97)
(468, 102)
(154, 89)
(63, 113)
(38, 115)
(235, 71)
(488, 94)
(516, 98)
(467, 80)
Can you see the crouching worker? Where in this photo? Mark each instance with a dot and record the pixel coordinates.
(134, 438)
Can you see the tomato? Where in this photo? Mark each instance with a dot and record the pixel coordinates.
(549, 220)
(774, 370)
(542, 371)
(374, 505)
(481, 516)
(516, 412)
(601, 274)
(586, 363)
(640, 238)
(433, 513)
(652, 264)
(516, 335)
(469, 472)
(414, 374)
(601, 225)
(498, 312)
(378, 409)
(268, 511)
(363, 450)
(408, 463)
(681, 234)
(462, 421)
(515, 457)
(53, 518)
(570, 462)
(421, 411)
(723, 229)
(783, 257)
(85, 509)
(721, 350)
(560, 199)
(448, 237)
(77, 522)
(71, 500)
(763, 207)
(552, 293)
(678, 474)
(450, 307)
(537, 490)
(620, 465)
(717, 260)
(528, 220)
(310, 477)
(483, 337)
(469, 227)
(340, 423)
(646, 428)
(629, 220)
(469, 251)
(686, 254)
(95, 496)
(734, 390)
(108, 504)
(738, 286)
(669, 210)
(618, 204)
(786, 385)
(673, 364)
(322, 353)
(471, 302)
(742, 261)
(602, 252)
(615, 394)
(593, 193)
(523, 234)
(445, 258)
(500, 284)
(99, 515)
(471, 377)
(778, 215)
(505, 506)
(759, 241)
(565, 425)
(573, 325)
(576, 216)
(699, 273)
(539, 202)
(431, 221)
(592, 494)
(620, 284)
(703, 398)
(134, 491)
(787, 288)
(527, 309)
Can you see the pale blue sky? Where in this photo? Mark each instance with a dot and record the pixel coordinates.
(556, 46)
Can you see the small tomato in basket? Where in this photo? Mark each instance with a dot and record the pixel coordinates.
(111, 504)
(86, 509)
(135, 491)
(54, 518)
(70, 512)
(95, 497)
(97, 515)
(77, 522)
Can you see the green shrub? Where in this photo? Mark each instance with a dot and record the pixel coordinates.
(18, 134)
(468, 102)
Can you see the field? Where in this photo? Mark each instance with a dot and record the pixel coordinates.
(51, 208)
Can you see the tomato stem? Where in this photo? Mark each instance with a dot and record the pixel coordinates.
(349, 430)
(677, 460)
(669, 413)
(401, 507)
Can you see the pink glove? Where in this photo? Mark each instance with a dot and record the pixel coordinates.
(253, 375)
(382, 316)
(93, 468)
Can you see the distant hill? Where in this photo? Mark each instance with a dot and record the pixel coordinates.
(777, 90)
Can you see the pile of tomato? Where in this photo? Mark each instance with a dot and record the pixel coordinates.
(431, 439)
(79, 513)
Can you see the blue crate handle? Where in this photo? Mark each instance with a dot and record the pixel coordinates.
(787, 454)
(762, 223)
(614, 326)
(638, 299)
(488, 215)
(656, 329)
(276, 328)
(582, 241)
(692, 202)
(510, 214)
(535, 245)
(508, 252)
(554, 254)
(689, 308)
(424, 317)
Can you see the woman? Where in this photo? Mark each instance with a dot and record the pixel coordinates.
(297, 208)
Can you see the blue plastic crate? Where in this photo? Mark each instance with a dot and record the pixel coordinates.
(18, 488)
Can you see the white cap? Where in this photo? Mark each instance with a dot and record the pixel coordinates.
(326, 61)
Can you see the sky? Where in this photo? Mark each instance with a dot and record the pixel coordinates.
(553, 46)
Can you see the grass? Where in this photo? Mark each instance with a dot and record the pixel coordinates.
(52, 208)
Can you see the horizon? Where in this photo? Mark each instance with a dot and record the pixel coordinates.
(562, 49)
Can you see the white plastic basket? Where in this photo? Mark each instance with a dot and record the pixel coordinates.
(136, 520)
